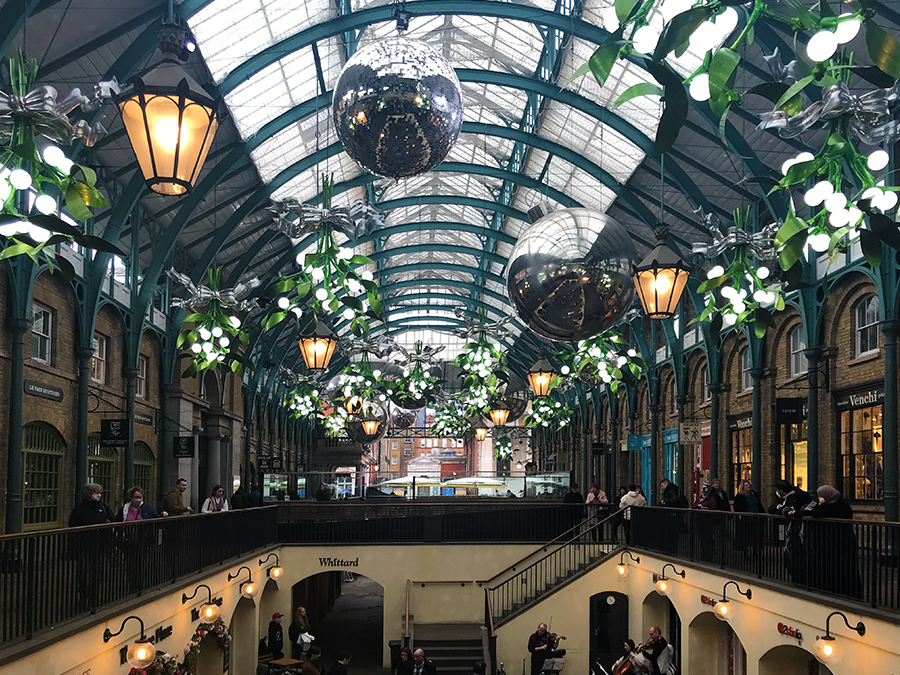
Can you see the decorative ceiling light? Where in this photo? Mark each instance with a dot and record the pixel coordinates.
(371, 426)
(724, 608)
(209, 611)
(353, 405)
(540, 377)
(499, 412)
(662, 582)
(248, 589)
(142, 652)
(273, 572)
(660, 278)
(171, 121)
(317, 349)
(622, 567)
(481, 431)
(827, 649)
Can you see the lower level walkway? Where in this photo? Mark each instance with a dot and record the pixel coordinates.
(354, 623)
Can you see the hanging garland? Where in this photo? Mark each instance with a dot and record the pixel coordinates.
(841, 214)
(358, 383)
(415, 387)
(603, 358)
(335, 423)
(165, 664)
(328, 279)
(303, 401)
(502, 446)
(483, 365)
(216, 336)
(547, 413)
(450, 421)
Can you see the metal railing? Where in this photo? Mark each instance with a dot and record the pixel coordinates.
(585, 550)
(48, 578)
(854, 560)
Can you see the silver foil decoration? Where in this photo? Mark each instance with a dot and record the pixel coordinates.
(425, 355)
(200, 296)
(476, 327)
(290, 377)
(42, 109)
(354, 221)
(761, 244)
(779, 71)
(871, 117)
(380, 347)
(569, 275)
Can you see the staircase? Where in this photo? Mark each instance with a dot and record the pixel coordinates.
(453, 647)
(560, 566)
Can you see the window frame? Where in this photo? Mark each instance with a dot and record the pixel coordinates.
(861, 309)
(797, 361)
(744, 361)
(101, 359)
(705, 396)
(141, 382)
(852, 437)
(41, 336)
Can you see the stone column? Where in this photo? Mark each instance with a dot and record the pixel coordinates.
(812, 417)
(889, 421)
(756, 375)
(15, 474)
(680, 401)
(715, 389)
(83, 355)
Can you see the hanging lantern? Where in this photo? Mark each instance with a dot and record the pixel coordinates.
(171, 121)
(141, 653)
(660, 278)
(540, 376)
(481, 431)
(209, 612)
(370, 427)
(499, 412)
(353, 405)
(317, 349)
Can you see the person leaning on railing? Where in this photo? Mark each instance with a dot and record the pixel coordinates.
(91, 510)
(831, 548)
(174, 504)
(630, 498)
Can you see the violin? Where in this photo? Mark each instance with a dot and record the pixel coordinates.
(551, 639)
(641, 647)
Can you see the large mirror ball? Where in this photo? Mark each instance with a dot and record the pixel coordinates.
(569, 275)
(397, 107)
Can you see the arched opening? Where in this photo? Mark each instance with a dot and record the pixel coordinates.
(345, 611)
(659, 611)
(609, 627)
(43, 452)
(102, 469)
(791, 659)
(145, 471)
(211, 660)
(715, 649)
(244, 639)
(270, 603)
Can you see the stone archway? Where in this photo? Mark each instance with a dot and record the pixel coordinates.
(269, 603)
(714, 647)
(658, 610)
(791, 659)
(244, 638)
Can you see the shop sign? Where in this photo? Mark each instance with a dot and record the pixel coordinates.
(791, 410)
(338, 562)
(706, 600)
(141, 418)
(637, 442)
(670, 436)
(277, 464)
(599, 448)
(790, 631)
(113, 433)
(689, 432)
(738, 422)
(861, 398)
(33, 388)
(184, 447)
(265, 462)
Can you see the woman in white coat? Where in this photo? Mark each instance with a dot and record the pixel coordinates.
(216, 501)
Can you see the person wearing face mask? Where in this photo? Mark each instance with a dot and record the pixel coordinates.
(136, 508)
(276, 637)
(91, 510)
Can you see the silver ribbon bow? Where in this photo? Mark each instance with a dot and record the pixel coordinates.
(296, 379)
(381, 347)
(871, 114)
(200, 296)
(475, 327)
(41, 108)
(354, 221)
(780, 71)
(423, 354)
(761, 244)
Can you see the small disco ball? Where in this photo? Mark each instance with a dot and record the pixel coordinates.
(569, 275)
(397, 107)
(403, 419)
(362, 427)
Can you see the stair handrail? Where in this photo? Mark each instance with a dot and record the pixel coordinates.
(568, 543)
(544, 547)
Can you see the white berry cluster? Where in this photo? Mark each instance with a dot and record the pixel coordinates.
(502, 447)
(304, 402)
(335, 423)
(214, 342)
(450, 421)
(547, 413)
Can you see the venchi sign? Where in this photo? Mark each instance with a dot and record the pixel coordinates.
(791, 632)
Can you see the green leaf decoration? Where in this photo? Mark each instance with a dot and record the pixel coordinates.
(376, 306)
(640, 89)
(625, 8)
(191, 370)
(679, 30)
(806, 18)
(27, 151)
(773, 91)
(237, 368)
(604, 58)
(885, 229)
(17, 249)
(799, 173)
(722, 70)
(75, 203)
(676, 104)
(281, 287)
(361, 260)
(779, 303)
(273, 320)
(303, 289)
(196, 317)
(715, 329)
(871, 247)
(90, 176)
(792, 91)
(792, 226)
(352, 302)
(791, 253)
(884, 50)
(711, 284)
(99, 244)
(55, 224)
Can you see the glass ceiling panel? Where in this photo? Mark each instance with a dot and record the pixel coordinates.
(305, 186)
(282, 85)
(434, 237)
(585, 135)
(262, 24)
(472, 149)
(442, 184)
(453, 343)
(451, 257)
(430, 288)
(491, 104)
(292, 144)
(451, 213)
(430, 274)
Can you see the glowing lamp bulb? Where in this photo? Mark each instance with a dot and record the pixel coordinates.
(622, 570)
(819, 242)
(320, 347)
(662, 586)
(276, 572)
(53, 155)
(321, 294)
(699, 87)
(715, 272)
(645, 39)
(822, 46)
(283, 302)
(45, 204)
(878, 160)
(661, 284)
(835, 202)
(236, 322)
(166, 133)
(723, 610)
(20, 179)
(847, 30)
(209, 612)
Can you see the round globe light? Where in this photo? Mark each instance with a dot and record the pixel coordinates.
(645, 39)
(65, 165)
(878, 160)
(699, 87)
(39, 234)
(321, 295)
(45, 204)
(297, 312)
(888, 201)
(224, 342)
(763, 272)
(196, 348)
(839, 218)
(730, 319)
(825, 188)
(20, 179)
(367, 275)
(705, 37)
(804, 157)
(715, 272)
(847, 30)
(813, 197)
(348, 314)
(727, 21)
(5, 188)
(217, 331)
(835, 202)
(283, 302)
(822, 46)
(723, 610)
(204, 334)
(819, 242)
(854, 215)
(236, 322)
(53, 155)
(760, 296)
(8, 230)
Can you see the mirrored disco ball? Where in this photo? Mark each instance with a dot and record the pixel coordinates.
(357, 424)
(397, 107)
(569, 275)
(403, 419)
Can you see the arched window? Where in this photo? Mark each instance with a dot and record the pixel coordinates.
(102, 467)
(144, 471)
(865, 325)
(43, 452)
(704, 384)
(797, 344)
(746, 380)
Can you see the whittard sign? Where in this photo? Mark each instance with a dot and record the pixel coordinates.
(338, 562)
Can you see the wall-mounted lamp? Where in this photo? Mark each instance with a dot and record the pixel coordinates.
(142, 652)
(248, 588)
(622, 568)
(663, 583)
(275, 572)
(828, 650)
(724, 609)
(209, 611)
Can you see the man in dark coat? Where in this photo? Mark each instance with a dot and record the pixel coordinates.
(574, 506)
(340, 666)
(276, 637)
(721, 497)
(421, 665)
(91, 510)
(671, 495)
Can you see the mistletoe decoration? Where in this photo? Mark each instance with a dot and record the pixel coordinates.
(450, 421)
(547, 413)
(358, 382)
(502, 446)
(215, 336)
(303, 400)
(484, 376)
(336, 423)
(603, 358)
(415, 386)
(328, 279)
(32, 121)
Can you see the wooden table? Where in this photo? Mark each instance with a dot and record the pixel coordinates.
(285, 662)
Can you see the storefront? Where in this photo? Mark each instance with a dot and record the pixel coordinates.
(861, 467)
(740, 431)
(670, 448)
(792, 430)
(641, 443)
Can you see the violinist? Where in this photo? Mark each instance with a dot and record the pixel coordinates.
(541, 644)
(653, 649)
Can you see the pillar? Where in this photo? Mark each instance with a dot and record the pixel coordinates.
(128, 455)
(680, 401)
(15, 474)
(613, 454)
(756, 375)
(83, 355)
(652, 499)
(213, 462)
(714, 390)
(889, 421)
(632, 428)
(812, 417)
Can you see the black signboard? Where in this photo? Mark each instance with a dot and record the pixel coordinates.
(113, 433)
(860, 398)
(277, 464)
(33, 388)
(141, 418)
(265, 462)
(738, 422)
(791, 410)
(184, 447)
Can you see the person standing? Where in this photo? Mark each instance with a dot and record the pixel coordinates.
(311, 664)
(173, 504)
(340, 666)
(276, 637)
(136, 508)
(539, 646)
(630, 498)
(405, 666)
(216, 501)
(595, 498)
(671, 495)
(574, 506)
(748, 531)
(706, 500)
(91, 510)
(655, 650)
(832, 548)
(421, 665)
(298, 629)
(239, 499)
(720, 496)
(747, 500)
